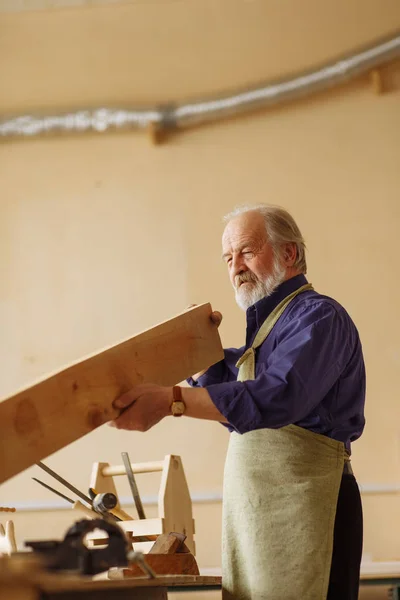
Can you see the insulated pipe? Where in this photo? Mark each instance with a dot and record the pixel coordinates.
(205, 110)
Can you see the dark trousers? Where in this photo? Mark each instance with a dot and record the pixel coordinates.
(347, 543)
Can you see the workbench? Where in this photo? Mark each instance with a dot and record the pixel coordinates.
(383, 574)
(56, 587)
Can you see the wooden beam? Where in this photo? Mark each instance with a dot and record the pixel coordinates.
(66, 406)
(157, 133)
(377, 81)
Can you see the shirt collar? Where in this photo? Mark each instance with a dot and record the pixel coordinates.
(256, 314)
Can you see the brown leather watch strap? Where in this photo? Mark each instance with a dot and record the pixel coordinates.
(178, 406)
(177, 393)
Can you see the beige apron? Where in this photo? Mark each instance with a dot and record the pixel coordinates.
(279, 504)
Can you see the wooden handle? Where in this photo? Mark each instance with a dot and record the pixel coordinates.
(117, 512)
(149, 467)
(121, 514)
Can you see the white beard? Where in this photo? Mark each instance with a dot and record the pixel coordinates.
(247, 295)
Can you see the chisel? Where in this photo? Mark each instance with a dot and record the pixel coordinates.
(75, 505)
(115, 512)
(65, 483)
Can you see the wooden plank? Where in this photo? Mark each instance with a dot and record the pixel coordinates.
(17, 591)
(136, 528)
(66, 406)
(141, 527)
(26, 572)
(384, 576)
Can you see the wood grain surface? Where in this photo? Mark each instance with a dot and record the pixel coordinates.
(69, 404)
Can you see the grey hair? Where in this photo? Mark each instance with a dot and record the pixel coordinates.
(281, 229)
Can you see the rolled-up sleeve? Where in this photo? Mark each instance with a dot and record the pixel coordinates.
(311, 352)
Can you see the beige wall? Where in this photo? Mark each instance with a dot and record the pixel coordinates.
(102, 236)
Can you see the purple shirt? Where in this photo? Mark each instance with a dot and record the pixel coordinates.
(309, 371)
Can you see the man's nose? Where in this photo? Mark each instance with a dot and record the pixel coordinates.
(238, 265)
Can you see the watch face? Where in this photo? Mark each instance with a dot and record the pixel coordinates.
(177, 408)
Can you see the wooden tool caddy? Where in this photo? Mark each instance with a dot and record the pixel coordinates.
(174, 516)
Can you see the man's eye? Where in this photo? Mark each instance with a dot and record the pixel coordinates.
(248, 254)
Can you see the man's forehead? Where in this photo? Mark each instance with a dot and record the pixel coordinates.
(238, 232)
(237, 239)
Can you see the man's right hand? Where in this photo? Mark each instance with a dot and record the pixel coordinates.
(216, 316)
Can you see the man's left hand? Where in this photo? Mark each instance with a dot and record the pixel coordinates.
(143, 407)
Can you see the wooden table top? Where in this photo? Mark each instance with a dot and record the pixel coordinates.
(56, 583)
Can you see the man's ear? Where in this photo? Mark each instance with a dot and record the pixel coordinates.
(289, 254)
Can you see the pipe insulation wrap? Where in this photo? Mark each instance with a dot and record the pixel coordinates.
(206, 110)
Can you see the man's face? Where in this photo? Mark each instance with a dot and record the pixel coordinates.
(253, 270)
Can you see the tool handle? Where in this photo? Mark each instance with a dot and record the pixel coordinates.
(90, 513)
(148, 467)
(118, 512)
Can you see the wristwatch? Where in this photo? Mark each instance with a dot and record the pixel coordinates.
(178, 406)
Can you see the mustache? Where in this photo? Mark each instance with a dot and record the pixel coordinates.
(247, 276)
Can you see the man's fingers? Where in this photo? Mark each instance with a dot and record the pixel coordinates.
(129, 397)
(216, 317)
(123, 421)
(125, 400)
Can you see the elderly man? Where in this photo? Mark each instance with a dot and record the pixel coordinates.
(293, 399)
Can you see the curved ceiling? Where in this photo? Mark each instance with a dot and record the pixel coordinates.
(142, 52)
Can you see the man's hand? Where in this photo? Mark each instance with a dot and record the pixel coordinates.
(142, 407)
(147, 404)
(216, 316)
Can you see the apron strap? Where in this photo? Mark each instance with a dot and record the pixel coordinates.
(246, 363)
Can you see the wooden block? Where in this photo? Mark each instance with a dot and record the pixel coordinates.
(377, 81)
(166, 564)
(168, 543)
(66, 406)
(157, 133)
